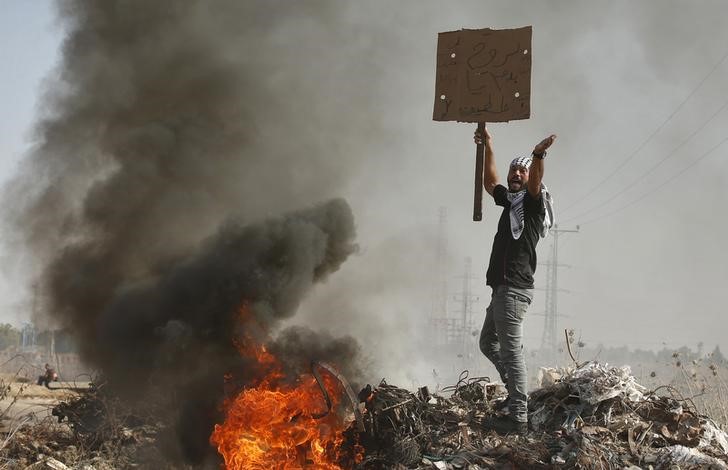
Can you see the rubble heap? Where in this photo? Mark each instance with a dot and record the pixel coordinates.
(91, 431)
(592, 417)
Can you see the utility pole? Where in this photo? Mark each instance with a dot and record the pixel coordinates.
(550, 336)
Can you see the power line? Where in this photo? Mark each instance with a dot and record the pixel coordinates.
(660, 186)
(660, 162)
(642, 145)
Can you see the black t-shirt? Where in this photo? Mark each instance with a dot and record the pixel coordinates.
(513, 262)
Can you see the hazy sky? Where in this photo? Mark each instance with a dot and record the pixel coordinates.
(648, 266)
(28, 51)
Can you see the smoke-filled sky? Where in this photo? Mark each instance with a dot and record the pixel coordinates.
(337, 102)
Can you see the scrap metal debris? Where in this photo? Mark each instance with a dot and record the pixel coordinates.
(594, 416)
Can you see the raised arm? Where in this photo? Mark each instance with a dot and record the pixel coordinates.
(490, 174)
(535, 172)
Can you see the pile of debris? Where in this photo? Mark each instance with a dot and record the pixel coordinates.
(592, 417)
(92, 431)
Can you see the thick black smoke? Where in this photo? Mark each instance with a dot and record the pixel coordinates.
(194, 303)
(146, 203)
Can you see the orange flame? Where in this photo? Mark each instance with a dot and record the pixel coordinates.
(274, 425)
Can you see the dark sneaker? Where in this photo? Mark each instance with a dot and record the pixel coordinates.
(505, 425)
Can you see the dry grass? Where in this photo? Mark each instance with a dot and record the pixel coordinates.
(703, 382)
(69, 426)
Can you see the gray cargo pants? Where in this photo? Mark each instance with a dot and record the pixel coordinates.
(501, 340)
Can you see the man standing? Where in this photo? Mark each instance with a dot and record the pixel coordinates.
(527, 216)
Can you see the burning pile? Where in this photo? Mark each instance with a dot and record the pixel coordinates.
(172, 337)
(274, 425)
(593, 417)
(282, 422)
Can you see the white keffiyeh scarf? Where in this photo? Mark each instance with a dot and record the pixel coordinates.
(516, 212)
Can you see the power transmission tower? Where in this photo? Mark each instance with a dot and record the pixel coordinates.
(439, 311)
(28, 337)
(467, 299)
(550, 336)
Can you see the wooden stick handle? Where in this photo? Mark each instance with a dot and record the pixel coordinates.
(479, 157)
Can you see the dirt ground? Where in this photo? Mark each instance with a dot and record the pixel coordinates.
(24, 400)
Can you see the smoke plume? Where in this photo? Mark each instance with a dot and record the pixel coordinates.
(147, 200)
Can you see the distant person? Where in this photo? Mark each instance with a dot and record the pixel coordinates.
(527, 216)
(48, 377)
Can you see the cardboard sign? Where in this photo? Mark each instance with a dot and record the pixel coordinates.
(483, 75)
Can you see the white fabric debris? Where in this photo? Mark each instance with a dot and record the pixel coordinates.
(55, 464)
(678, 454)
(548, 376)
(712, 436)
(596, 382)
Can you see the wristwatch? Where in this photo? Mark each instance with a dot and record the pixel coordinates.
(540, 156)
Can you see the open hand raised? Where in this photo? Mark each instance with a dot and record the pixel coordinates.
(541, 147)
